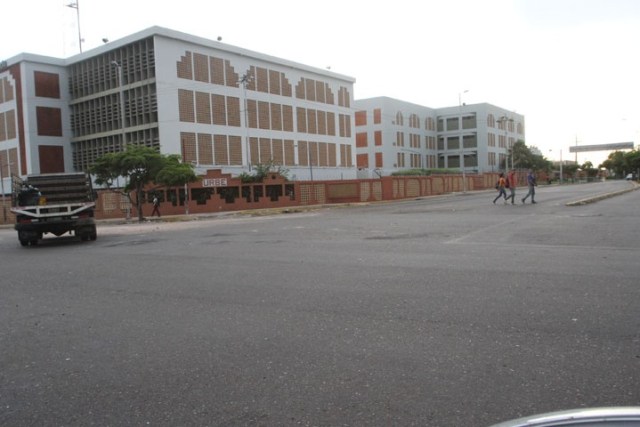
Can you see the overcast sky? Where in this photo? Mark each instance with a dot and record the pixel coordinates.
(571, 67)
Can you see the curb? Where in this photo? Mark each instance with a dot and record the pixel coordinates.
(602, 196)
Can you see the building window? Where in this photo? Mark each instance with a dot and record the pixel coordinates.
(362, 161)
(469, 122)
(49, 121)
(377, 116)
(361, 139)
(47, 85)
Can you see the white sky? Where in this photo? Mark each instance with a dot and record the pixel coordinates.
(571, 67)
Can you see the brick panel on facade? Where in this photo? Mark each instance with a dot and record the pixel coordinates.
(233, 111)
(323, 153)
(262, 77)
(188, 147)
(217, 70)
(221, 151)
(232, 78)
(184, 67)
(362, 160)
(285, 85)
(49, 121)
(235, 150)
(313, 152)
(331, 124)
(310, 89)
(252, 113)
(361, 139)
(200, 67)
(263, 115)
(186, 106)
(219, 109)
(254, 151)
(3, 127)
(278, 152)
(51, 158)
(378, 160)
(265, 151)
(276, 116)
(320, 93)
(303, 153)
(301, 116)
(287, 118)
(312, 125)
(205, 149)
(322, 122)
(47, 85)
(332, 155)
(274, 82)
(289, 152)
(203, 108)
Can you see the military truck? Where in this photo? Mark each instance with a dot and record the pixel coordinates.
(55, 203)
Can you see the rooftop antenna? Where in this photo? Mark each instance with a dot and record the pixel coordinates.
(76, 5)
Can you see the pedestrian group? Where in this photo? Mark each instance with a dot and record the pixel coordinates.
(509, 182)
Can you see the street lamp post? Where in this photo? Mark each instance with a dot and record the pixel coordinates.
(246, 78)
(120, 85)
(118, 65)
(76, 5)
(461, 142)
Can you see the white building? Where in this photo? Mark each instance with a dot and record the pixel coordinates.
(393, 135)
(219, 106)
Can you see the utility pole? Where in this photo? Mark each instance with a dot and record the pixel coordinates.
(76, 5)
(245, 80)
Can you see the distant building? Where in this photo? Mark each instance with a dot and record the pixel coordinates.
(224, 107)
(393, 135)
(217, 105)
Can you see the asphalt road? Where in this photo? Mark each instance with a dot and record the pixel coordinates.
(443, 311)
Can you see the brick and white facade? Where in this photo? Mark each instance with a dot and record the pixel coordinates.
(219, 106)
(393, 135)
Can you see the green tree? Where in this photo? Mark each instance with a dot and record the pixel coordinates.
(615, 163)
(632, 161)
(524, 158)
(175, 173)
(261, 170)
(138, 165)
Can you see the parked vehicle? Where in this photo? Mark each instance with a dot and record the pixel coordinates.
(53, 203)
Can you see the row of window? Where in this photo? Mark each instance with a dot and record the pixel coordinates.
(134, 62)
(6, 90)
(226, 150)
(8, 125)
(214, 70)
(449, 124)
(205, 108)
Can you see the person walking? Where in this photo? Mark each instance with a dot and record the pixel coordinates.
(500, 187)
(156, 206)
(511, 185)
(532, 184)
